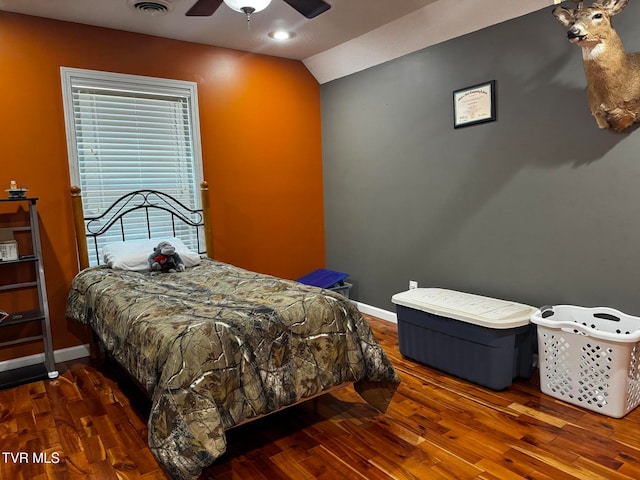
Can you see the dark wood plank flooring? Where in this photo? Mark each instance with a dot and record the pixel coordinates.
(90, 423)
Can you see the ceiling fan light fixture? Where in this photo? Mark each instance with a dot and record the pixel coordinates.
(243, 6)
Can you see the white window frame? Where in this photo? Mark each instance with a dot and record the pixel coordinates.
(74, 77)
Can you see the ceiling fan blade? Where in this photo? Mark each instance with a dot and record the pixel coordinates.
(309, 8)
(203, 8)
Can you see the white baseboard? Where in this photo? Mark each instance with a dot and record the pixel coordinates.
(377, 312)
(62, 355)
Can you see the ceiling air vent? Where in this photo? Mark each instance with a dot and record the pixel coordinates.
(151, 7)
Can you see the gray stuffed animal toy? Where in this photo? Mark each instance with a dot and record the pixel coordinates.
(165, 259)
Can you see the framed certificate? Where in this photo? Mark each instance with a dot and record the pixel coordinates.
(473, 105)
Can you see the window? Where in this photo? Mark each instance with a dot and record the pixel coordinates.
(127, 133)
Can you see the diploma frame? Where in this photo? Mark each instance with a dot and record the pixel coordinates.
(475, 104)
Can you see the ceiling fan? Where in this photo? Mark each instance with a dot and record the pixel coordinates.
(308, 8)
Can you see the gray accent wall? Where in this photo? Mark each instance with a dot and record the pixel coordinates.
(540, 206)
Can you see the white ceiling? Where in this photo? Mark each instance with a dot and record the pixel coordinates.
(331, 45)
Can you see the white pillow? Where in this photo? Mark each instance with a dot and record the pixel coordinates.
(134, 254)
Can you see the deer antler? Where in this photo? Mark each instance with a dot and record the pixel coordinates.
(578, 4)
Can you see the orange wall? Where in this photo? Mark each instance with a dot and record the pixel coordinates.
(261, 144)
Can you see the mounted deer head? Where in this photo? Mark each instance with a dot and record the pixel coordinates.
(613, 76)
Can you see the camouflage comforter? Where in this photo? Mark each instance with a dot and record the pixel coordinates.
(216, 345)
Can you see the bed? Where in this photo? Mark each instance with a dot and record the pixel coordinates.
(216, 346)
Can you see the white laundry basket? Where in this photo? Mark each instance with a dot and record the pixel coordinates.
(590, 357)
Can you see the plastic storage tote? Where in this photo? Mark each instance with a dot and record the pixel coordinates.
(329, 279)
(590, 357)
(343, 289)
(484, 340)
(323, 278)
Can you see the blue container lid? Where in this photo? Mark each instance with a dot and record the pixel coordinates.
(323, 278)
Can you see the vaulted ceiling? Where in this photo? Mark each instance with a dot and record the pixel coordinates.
(350, 36)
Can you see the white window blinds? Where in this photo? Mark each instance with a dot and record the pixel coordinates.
(128, 133)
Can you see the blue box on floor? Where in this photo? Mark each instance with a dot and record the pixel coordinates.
(323, 278)
(484, 340)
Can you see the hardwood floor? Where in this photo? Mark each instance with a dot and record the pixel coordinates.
(437, 427)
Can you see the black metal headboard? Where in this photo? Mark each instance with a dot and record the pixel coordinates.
(147, 201)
